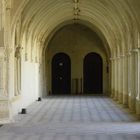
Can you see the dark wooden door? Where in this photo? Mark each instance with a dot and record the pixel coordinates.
(93, 77)
(61, 74)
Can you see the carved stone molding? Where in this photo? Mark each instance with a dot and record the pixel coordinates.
(135, 50)
(112, 59)
(122, 56)
(18, 52)
(5, 53)
(3, 71)
(7, 4)
(129, 54)
(76, 10)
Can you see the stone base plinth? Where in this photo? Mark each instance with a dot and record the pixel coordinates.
(115, 96)
(120, 100)
(132, 104)
(125, 100)
(138, 107)
(4, 111)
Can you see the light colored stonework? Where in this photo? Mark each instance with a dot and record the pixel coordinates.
(31, 24)
(4, 109)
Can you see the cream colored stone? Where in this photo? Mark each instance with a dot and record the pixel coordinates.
(33, 23)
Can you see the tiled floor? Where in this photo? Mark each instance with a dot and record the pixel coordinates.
(73, 118)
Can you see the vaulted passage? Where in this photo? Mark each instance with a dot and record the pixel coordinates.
(81, 48)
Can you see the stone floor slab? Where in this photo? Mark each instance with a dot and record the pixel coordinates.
(73, 118)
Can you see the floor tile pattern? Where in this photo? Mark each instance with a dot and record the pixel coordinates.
(73, 118)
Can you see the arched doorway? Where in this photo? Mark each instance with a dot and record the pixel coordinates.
(93, 73)
(61, 74)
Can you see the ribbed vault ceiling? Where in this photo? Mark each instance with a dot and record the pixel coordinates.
(111, 19)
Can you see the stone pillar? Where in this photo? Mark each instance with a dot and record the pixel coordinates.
(4, 50)
(125, 81)
(116, 79)
(132, 91)
(112, 78)
(120, 81)
(18, 70)
(129, 78)
(4, 99)
(137, 80)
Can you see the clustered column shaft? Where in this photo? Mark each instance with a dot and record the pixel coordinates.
(125, 80)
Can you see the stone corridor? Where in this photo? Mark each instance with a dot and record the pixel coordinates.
(73, 118)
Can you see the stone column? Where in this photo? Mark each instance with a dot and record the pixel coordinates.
(120, 82)
(116, 79)
(112, 77)
(4, 49)
(4, 99)
(18, 70)
(125, 81)
(132, 91)
(129, 78)
(137, 80)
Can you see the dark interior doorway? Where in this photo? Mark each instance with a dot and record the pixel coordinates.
(61, 74)
(93, 73)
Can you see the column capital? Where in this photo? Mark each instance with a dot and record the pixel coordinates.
(115, 58)
(138, 98)
(118, 57)
(122, 56)
(18, 51)
(129, 53)
(135, 50)
(7, 4)
(112, 59)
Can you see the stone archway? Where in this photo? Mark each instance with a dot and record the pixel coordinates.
(75, 40)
